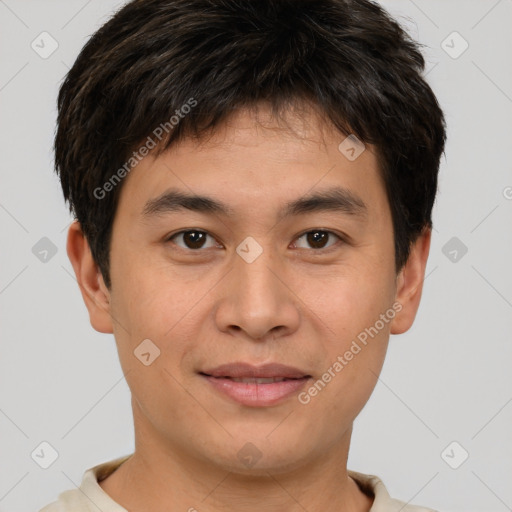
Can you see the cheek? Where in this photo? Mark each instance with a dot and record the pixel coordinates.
(156, 308)
(354, 356)
(355, 309)
(347, 299)
(157, 304)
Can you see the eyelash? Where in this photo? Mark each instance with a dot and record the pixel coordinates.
(340, 237)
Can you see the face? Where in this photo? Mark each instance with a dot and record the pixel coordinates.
(288, 260)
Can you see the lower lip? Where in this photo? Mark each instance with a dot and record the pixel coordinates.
(257, 395)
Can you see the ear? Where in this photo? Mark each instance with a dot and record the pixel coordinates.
(94, 292)
(410, 283)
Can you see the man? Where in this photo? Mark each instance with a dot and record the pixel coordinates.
(252, 184)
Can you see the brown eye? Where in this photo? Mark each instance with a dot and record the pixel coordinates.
(318, 239)
(191, 239)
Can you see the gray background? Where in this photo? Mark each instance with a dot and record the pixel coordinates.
(448, 379)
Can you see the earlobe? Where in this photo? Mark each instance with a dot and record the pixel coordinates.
(92, 286)
(410, 283)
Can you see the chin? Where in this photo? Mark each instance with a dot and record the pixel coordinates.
(258, 455)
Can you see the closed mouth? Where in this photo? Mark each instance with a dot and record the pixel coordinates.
(256, 380)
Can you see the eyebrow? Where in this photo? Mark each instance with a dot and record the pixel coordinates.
(337, 199)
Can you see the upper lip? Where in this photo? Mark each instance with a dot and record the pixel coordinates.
(241, 370)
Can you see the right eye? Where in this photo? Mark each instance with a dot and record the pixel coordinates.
(193, 239)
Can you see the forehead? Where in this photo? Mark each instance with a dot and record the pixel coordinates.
(253, 160)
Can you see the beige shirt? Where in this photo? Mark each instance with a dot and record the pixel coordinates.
(90, 497)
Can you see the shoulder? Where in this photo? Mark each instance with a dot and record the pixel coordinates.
(383, 502)
(67, 501)
(89, 497)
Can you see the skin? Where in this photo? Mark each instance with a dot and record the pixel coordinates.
(297, 304)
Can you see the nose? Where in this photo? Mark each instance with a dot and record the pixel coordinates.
(258, 300)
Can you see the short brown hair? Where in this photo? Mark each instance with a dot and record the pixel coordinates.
(347, 57)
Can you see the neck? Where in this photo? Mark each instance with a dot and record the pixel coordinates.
(161, 477)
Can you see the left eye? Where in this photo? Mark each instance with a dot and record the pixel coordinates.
(318, 238)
